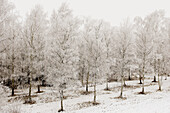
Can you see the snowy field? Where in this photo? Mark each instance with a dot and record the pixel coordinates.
(48, 102)
(49, 52)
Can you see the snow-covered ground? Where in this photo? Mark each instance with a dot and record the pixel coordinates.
(48, 102)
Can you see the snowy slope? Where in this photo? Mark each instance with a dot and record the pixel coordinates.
(153, 102)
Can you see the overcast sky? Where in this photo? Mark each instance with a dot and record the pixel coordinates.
(113, 11)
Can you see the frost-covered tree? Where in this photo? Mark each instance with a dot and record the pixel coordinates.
(63, 57)
(95, 52)
(156, 26)
(124, 40)
(108, 34)
(162, 62)
(143, 44)
(6, 9)
(82, 66)
(9, 35)
(34, 36)
(166, 45)
(87, 35)
(13, 51)
(5, 16)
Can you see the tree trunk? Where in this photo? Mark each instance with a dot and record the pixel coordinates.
(94, 93)
(129, 75)
(124, 84)
(140, 79)
(159, 83)
(154, 80)
(12, 91)
(107, 86)
(143, 85)
(39, 89)
(159, 75)
(30, 100)
(87, 82)
(61, 100)
(13, 87)
(82, 77)
(121, 93)
(129, 78)
(143, 77)
(94, 89)
(82, 82)
(166, 76)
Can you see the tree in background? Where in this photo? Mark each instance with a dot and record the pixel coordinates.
(14, 50)
(87, 35)
(34, 32)
(143, 44)
(64, 56)
(124, 40)
(108, 34)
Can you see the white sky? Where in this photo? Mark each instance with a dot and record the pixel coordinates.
(113, 11)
